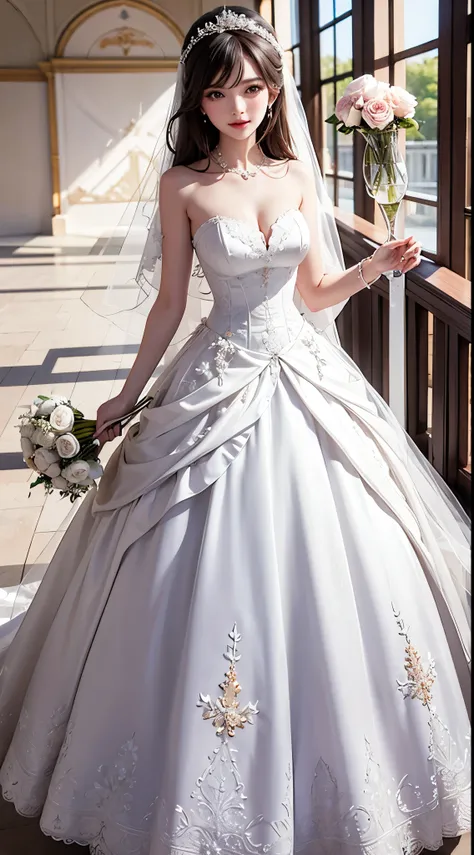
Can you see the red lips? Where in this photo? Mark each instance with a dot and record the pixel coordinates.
(239, 124)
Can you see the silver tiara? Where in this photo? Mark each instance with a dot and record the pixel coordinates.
(227, 20)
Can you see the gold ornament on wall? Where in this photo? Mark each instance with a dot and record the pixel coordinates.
(126, 38)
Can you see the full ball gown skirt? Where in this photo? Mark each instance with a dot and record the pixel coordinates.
(237, 647)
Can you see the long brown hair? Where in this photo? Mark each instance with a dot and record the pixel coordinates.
(211, 61)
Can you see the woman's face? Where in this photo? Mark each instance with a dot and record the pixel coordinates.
(238, 110)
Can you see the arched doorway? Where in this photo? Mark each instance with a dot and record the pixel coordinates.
(110, 83)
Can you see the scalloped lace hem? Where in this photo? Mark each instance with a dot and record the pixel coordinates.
(415, 846)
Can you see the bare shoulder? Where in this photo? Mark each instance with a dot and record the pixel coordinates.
(175, 178)
(301, 171)
(176, 187)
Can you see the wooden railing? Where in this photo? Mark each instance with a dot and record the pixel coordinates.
(437, 362)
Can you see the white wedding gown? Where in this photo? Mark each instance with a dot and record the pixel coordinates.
(266, 518)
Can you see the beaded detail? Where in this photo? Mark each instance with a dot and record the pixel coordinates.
(224, 353)
(225, 713)
(310, 341)
(226, 21)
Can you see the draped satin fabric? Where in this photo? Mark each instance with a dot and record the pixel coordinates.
(268, 508)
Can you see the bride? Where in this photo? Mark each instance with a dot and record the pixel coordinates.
(252, 637)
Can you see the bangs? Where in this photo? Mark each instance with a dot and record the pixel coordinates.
(224, 58)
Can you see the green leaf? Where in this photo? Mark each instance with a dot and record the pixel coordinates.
(345, 130)
(333, 120)
(408, 123)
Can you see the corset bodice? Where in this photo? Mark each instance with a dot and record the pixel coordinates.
(253, 283)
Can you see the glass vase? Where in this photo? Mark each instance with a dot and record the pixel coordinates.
(385, 176)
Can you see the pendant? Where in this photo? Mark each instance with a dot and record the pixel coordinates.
(244, 175)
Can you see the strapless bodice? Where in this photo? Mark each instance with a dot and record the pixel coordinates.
(253, 282)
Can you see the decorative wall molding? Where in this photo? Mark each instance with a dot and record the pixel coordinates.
(53, 136)
(142, 5)
(108, 66)
(125, 39)
(21, 75)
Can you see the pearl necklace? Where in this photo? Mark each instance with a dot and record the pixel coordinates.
(244, 173)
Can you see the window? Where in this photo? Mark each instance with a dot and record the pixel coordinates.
(425, 47)
(407, 54)
(334, 34)
(285, 19)
(468, 201)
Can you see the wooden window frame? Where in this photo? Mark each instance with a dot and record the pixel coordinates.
(454, 35)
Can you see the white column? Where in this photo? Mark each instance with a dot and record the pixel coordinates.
(396, 347)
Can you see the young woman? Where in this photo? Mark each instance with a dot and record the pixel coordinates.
(246, 641)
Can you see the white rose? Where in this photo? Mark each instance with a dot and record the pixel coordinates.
(67, 445)
(53, 471)
(44, 458)
(27, 430)
(62, 419)
(76, 472)
(37, 436)
(45, 439)
(27, 447)
(60, 483)
(31, 464)
(95, 469)
(88, 482)
(49, 438)
(45, 408)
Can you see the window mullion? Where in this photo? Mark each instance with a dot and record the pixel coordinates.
(457, 133)
(363, 63)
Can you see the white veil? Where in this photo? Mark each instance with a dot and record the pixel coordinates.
(132, 288)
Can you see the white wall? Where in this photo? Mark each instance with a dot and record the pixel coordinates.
(25, 171)
(29, 32)
(107, 133)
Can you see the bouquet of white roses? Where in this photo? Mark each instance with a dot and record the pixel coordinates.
(57, 442)
(370, 106)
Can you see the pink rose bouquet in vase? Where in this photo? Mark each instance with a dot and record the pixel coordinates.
(377, 111)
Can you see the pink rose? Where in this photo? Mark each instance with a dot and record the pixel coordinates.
(357, 88)
(402, 102)
(343, 108)
(378, 114)
(346, 113)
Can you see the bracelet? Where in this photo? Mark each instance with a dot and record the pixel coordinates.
(361, 275)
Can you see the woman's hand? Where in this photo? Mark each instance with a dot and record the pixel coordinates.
(401, 255)
(115, 408)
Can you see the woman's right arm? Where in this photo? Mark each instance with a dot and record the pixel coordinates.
(166, 313)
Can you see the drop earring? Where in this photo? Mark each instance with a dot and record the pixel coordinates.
(204, 117)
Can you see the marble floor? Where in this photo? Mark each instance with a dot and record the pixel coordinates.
(50, 342)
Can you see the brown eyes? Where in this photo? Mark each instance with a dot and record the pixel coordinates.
(252, 90)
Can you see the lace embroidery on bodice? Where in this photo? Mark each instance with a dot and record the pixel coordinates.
(250, 234)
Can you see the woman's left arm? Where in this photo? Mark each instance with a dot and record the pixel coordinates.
(321, 290)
